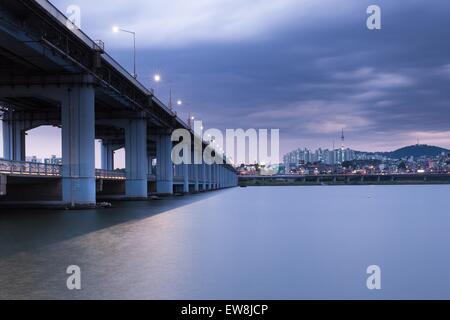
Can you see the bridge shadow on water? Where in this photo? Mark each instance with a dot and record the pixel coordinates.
(24, 230)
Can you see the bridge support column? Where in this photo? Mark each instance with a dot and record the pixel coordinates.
(185, 170)
(136, 161)
(219, 177)
(78, 146)
(213, 176)
(13, 138)
(3, 182)
(164, 166)
(209, 176)
(107, 155)
(224, 177)
(225, 172)
(204, 177)
(216, 176)
(227, 178)
(196, 177)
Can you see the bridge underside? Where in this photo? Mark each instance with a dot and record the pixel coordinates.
(52, 75)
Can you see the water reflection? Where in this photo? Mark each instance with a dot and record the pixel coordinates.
(252, 243)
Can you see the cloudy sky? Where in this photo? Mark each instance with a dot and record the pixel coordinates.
(306, 67)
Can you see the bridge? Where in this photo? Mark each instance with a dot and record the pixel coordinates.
(331, 179)
(52, 74)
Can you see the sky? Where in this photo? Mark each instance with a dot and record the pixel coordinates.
(309, 68)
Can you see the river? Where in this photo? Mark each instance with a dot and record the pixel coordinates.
(242, 243)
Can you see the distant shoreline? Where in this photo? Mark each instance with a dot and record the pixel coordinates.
(353, 180)
(315, 184)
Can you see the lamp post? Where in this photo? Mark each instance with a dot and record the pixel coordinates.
(157, 78)
(190, 120)
(116, 29)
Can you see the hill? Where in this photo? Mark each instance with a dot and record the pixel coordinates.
(417, 151)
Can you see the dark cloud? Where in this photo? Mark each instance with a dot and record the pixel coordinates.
(312, 75)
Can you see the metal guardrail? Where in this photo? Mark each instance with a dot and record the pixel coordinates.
(352, 175)
(108, 174)
(29, 168)
(22, 168)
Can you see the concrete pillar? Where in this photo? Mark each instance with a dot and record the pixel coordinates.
(3, 183)
(209, 176)
(225, 171)
(13, 138)
(216, 176)
(196, 177)
(223, 177)
(213, 176)
(136, 161)
(164, 164)
(78, 146)
(107, 155)
(219, 177)
(204, 177)
(185, 170)
(227, 178)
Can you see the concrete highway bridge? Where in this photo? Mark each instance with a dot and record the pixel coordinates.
(52, 74)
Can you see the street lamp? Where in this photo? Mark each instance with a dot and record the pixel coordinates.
(157, 78)
(117, 29)
(190, 120)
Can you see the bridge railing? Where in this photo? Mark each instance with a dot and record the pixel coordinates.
(61, 17)
(29, 168)
(24, 168)
(110, 174)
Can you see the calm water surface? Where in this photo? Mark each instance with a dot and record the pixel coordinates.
(252, 243)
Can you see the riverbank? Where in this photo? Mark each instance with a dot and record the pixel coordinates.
(360, 182)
